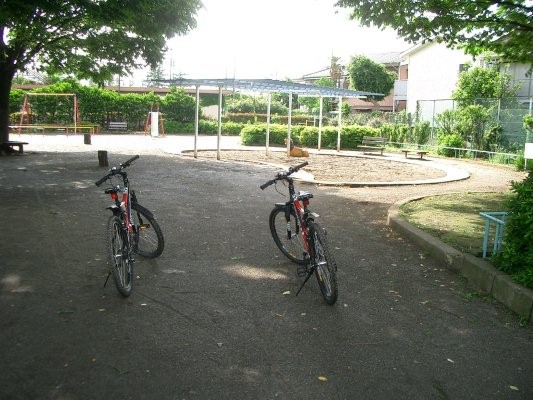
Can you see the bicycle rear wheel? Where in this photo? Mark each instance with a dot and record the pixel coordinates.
(289, 241)
(118, 256)
(149, 241)
(325, 266)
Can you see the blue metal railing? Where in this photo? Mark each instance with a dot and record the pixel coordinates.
(498, 218)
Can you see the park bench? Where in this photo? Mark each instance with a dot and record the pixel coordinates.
(11, 144)
(421, 154)
(118, 126)
(372, 143)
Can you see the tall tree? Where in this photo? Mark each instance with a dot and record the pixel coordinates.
(91, 39)
(369, 76)
(481, 83)
(504, 27)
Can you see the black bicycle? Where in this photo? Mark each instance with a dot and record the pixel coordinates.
(131, 228)
(301, 239)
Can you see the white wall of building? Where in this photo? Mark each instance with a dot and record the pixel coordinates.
(433, 72)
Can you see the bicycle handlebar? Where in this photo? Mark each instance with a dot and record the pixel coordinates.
(116, 170)
(283, 175)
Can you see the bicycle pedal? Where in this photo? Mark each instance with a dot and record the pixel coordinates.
(144, 226)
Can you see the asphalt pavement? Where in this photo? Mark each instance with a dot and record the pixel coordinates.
(215, 317)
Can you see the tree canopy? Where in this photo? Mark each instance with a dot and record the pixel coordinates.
(504, 27)
(480, 83)
(91, 39)
(369, 76)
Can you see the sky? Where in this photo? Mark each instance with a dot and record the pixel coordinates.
(276, 39)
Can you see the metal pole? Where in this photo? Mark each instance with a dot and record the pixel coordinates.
(75, 116)
(196, 120)
(339, 125)
(289, 125)
(267, 140)
(320, 122)
(219, 136)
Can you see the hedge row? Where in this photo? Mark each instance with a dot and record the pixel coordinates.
(351, 135)
(205, 127)
(249, 118)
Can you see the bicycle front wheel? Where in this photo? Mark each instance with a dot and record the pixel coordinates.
(149, 241)
(325, 266)
(288, 235)
(118, 256)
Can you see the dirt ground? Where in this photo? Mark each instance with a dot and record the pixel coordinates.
(327, 167)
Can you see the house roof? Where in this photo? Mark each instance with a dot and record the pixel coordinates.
(391, 58)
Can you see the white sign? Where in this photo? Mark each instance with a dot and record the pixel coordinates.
(528, 152)
(154, 120)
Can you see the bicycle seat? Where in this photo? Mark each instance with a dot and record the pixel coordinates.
(304, 195)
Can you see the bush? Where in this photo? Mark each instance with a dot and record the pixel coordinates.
(421, 132)
(520, 163)
(449, 141)
(516, 258)
(396, 133)
(351, 136)
(256, 134)
(205, 127)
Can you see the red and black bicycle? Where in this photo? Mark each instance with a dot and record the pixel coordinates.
(131, 228)
(300, 237)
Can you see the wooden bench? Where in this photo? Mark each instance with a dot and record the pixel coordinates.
(373, 143)
(419, 153)
(10, 144)
(118, 126)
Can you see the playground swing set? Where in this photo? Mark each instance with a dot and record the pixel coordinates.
(76, 125)
(153, 126)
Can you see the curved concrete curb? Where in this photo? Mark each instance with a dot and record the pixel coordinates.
(480, 274)
(452, 173)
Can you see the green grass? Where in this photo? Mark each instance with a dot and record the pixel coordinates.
(454, 218)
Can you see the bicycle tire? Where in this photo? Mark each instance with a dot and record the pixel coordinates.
(119, 260)
(325, 265)
(149, 241)
(292, 248)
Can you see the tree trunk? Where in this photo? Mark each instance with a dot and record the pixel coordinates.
(6, 78)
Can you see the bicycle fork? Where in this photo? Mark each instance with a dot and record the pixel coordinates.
(314, 263)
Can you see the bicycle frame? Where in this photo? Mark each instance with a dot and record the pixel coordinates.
(300, 205)
(122, 207)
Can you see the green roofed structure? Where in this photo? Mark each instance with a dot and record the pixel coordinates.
(266, 86)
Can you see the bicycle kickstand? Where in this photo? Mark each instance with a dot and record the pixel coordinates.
(309, 273)
(106, 279)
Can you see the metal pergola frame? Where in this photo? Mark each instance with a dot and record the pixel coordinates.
(269, 86)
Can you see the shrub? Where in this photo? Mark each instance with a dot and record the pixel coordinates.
(351, 136)
(449, 141)
(232, 128)
(421, 132)
(205, 127)
(256, 134)
(520, 163)
(396, 133)
(516, 258)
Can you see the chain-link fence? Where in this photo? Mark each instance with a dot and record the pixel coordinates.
(507, 112)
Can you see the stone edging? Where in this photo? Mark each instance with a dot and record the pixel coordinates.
(479, 273)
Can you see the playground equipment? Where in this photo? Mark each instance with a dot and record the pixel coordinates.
(154, 120)
(25, 121)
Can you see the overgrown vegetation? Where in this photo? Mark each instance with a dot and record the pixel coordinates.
(517, 256)
(473, 122)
